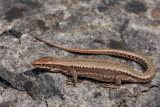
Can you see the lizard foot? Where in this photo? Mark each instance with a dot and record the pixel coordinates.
(70, 82)
(110, 86)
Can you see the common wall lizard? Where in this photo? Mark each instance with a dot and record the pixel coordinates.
(101, 70)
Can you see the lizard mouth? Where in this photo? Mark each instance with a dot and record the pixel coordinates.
(37, 64)
(43, 66)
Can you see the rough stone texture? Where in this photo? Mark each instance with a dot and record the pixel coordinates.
(95, 24)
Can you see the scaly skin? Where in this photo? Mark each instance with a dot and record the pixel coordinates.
(102, 70)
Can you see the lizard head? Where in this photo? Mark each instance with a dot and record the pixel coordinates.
(45, 63)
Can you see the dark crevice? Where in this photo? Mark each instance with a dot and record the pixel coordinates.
(4, 83)
(146, 91)
(46, 104)
(12, 32)
(135, 7)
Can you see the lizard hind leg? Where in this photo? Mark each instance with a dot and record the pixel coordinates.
(111, 87)
(70, 81)
(118, 81)
(74, 75)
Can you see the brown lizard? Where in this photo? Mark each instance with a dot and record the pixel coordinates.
(101, 70)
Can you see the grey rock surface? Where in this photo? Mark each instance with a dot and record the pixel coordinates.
(91, 24)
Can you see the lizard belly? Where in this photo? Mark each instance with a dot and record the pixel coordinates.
(104, 75)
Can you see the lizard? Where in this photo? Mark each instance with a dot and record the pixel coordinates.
(100, 70)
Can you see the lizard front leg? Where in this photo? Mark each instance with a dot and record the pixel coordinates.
(74, 75)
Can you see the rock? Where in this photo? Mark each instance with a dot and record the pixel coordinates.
(87, 24)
